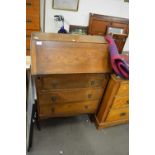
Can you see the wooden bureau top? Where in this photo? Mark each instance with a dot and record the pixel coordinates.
(68, 37)
(53, 53)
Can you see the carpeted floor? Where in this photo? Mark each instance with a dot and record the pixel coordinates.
(78, 136)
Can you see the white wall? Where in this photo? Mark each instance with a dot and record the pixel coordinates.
(116, 8)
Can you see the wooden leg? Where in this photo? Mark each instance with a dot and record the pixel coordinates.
(91, 117)
(37, 120)
(31, 129)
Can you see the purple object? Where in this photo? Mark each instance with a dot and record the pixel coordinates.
(120, 63)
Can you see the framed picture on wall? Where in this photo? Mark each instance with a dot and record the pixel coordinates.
(69, 5)
(75, 29)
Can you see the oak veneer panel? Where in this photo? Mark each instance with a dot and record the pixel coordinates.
(54, 82)
(69, 57)
(71, 95)
(68, 109)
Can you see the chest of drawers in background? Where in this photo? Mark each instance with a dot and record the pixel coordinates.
(98, 25)
(71, 73)
(114, 107)
(32, 20)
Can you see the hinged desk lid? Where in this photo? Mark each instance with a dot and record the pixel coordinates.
(67, 54)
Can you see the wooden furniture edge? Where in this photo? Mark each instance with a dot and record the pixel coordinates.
(110, 124)
(109, 101)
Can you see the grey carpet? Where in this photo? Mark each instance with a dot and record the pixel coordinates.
(78, 136)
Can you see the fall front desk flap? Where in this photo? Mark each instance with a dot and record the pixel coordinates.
(53, 53)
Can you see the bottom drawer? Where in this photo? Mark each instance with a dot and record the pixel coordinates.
(27, 52)
(68, 109)
(118, 114)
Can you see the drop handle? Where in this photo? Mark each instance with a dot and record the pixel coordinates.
(53, 110)
(54, 84)
(89, 95)
(92, 83)
(29, 21)
(28, 4)
(28, 36)
(53, 98)
(122, 114)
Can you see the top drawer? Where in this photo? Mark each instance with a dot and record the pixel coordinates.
(123, 90)
(65, 81)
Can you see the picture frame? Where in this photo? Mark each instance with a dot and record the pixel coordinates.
(68, 5)
(114, 30)
(76, 29)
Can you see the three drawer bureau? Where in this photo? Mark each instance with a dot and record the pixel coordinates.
(114, 108)
(70, 71)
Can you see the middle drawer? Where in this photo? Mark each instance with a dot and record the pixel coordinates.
(71, 95)
(69, 81)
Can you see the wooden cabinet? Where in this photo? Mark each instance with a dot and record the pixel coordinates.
(114, 108)
(98, 25)
(71, 73)
(32, 20)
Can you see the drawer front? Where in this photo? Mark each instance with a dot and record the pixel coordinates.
(123, 90)
(68, 109)
(32, 14)
(28, 37)
(118, 114)
(32, 22)
(27, 52)
(73, 95)
(71, 81)
(30, 6)
(120, 102)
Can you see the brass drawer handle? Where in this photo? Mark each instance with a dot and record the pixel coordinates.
(29, 21)
(92, 83)
(28, 36)
(86, 106)
(28, 4)
(122, 114)
(53, 98)
(53, 110)
(38, 77)
(54, 84)
(106, 76)
(89, 95)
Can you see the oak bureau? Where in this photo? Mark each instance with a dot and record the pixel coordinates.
(70, 71)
